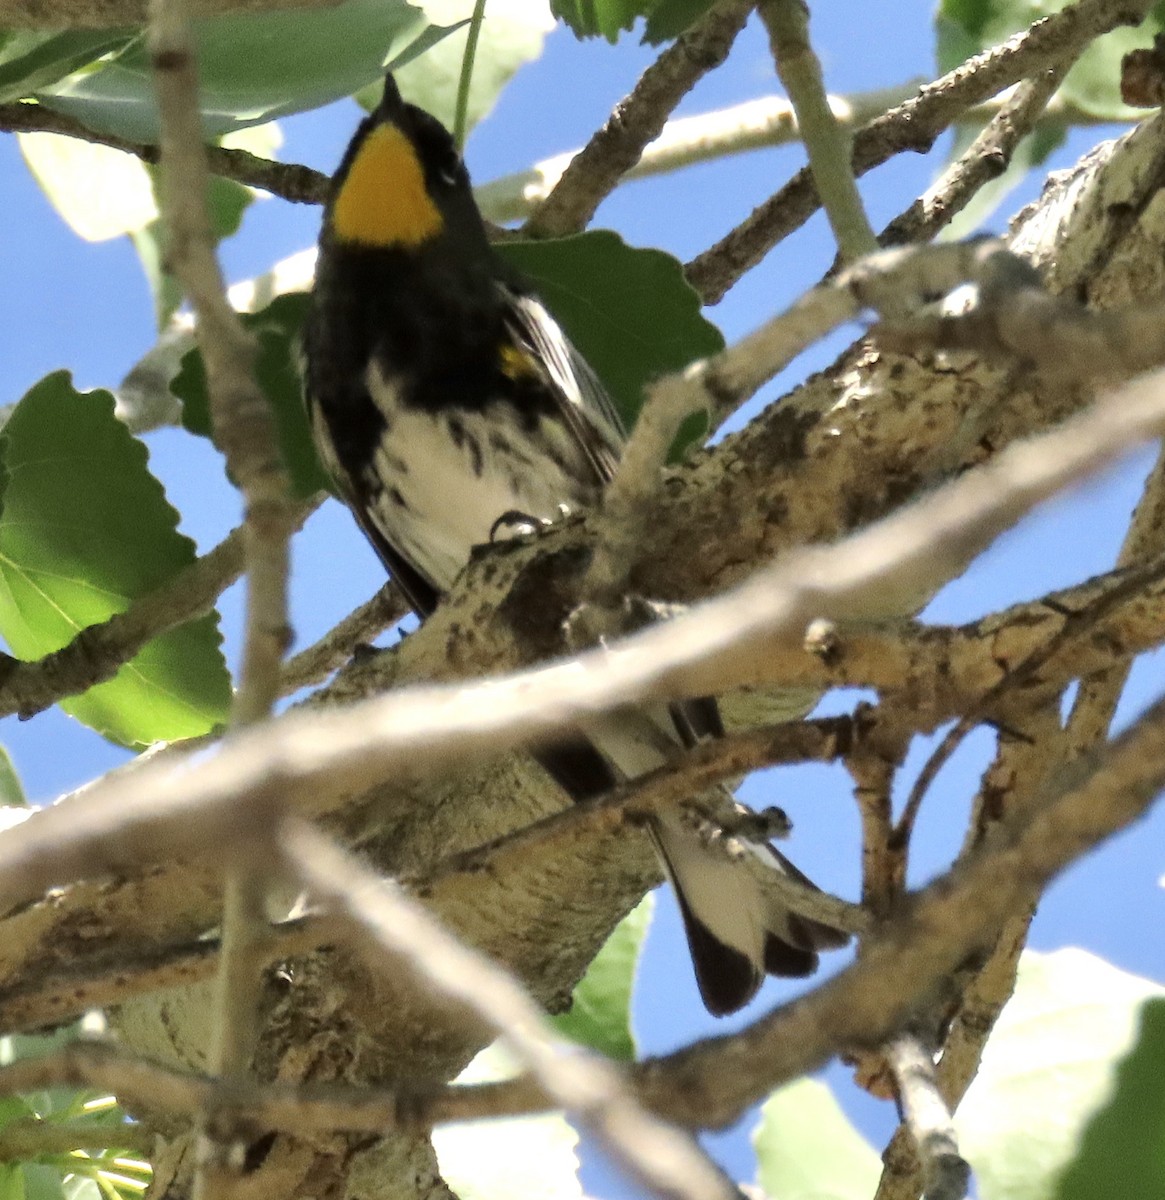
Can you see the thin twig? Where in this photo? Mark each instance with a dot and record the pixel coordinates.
(394, 932)
(637, 120)
(1016, 778)
(28, 1139)
(946, 1174)
(338, 645)
(911, 126)
(979, 1008)
(1075, 625)
(738, 129)
(299, 1109)
(461, 108)
(244, 430)
(1097, 699)
(289, 181)
(872, 763)
(65, 991)
(828, 145)
(893, 281)
(913, 956)
(627, 506)
(987, 157)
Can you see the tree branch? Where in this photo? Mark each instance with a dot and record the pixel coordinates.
(987, 157)
(30, 1138)
(945, 1172)
(715, 648)
(337, 646)
(828, 145)
(637, 120)
(913, 125)
(687, 775)
(909, 960)
(304, 1110)
(394, 932)
(289, 181)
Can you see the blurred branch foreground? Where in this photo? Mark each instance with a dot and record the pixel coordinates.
(453, 897)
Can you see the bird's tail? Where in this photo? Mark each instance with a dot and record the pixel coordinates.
(738, 929)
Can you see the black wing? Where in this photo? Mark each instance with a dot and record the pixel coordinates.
(583, 403)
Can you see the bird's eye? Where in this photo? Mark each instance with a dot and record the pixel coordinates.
(449, 170)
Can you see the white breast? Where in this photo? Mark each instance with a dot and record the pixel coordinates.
(445, 480)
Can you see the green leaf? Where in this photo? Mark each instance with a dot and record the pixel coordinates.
(100, 193)
(954, 43)
(31, 61)
(45, 1182)
(1123, 1149)
(85, 529)
(629, 311)
(11, 790)
(669, 18)
(961, 27)
(254, 67)
(600, 1012)
(11, 1182)
(806, 1148)
(512, 34)
(965, 27)
(14, 1108)
(1047, 1067)
(226, 202)
(276, 328)
(511, 1158)
(606, 18)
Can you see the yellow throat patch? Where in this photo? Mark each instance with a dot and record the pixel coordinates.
(383, 200)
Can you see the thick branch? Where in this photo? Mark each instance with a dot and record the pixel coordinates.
(394, 932)
(714, 649)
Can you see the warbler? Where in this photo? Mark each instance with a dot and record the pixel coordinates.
(452, 410)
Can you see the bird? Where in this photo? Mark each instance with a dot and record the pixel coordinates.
(452, 411)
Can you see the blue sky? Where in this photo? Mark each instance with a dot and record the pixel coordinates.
(87, 307)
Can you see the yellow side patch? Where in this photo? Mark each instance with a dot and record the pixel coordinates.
(383, 201)
(515, 362)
